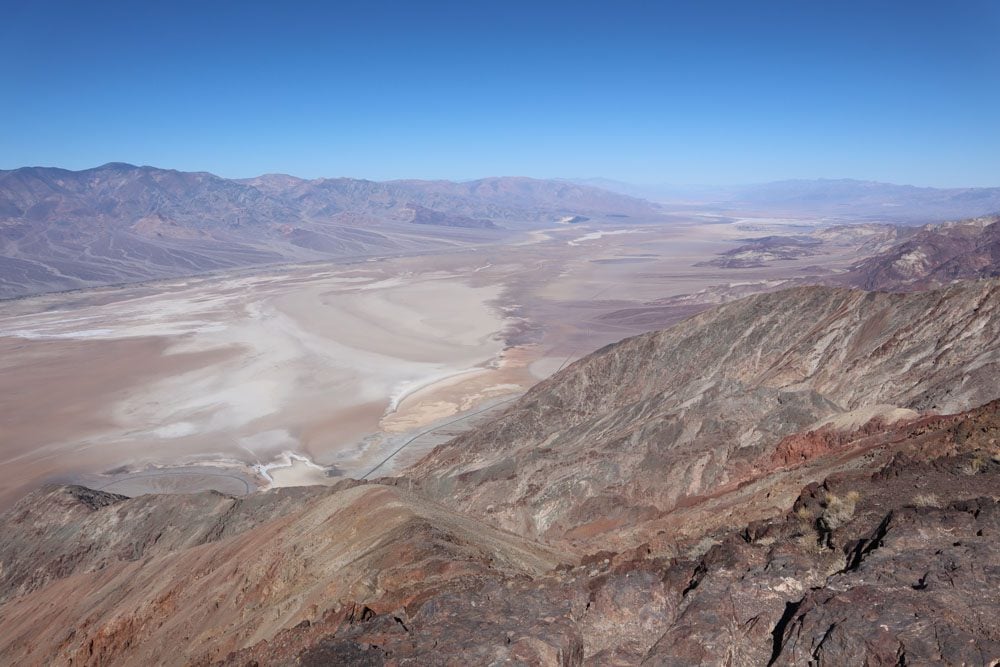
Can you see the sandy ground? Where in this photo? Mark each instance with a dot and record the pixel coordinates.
(248, 368)
(301, 374)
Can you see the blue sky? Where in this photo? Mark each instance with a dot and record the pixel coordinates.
(647, 92)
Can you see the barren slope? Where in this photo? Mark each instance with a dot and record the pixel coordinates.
(891, 558)
(96, 579)
(934, 256)
(657, 421)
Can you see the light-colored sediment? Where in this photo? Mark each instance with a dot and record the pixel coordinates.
(855, 419)
(253, 367)
(291, 469)
(336, 364)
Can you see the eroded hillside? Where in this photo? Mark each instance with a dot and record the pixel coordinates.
(659, 422)
(776, 481)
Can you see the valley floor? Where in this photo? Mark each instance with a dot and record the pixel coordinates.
(307, 373)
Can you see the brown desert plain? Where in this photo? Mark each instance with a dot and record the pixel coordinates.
(303, 374)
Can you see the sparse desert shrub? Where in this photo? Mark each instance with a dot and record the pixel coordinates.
(702, 547)
(926, 500)
(808, 541)
(806, 528)
(837, 511)
(975, 465)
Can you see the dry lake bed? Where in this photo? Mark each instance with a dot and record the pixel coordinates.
(301, 374)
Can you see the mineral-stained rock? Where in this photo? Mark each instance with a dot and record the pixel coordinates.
(222, 575)
(892, 555)
(922, 590)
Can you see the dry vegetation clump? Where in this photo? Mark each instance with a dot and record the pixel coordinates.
(926, 500)
(806, 533)
(975, 465)
(837, 511)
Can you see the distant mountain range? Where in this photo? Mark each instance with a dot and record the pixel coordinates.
(120, 223)
(117, 223)
(841, 198)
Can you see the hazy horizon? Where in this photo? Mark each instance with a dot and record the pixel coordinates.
(594, 181)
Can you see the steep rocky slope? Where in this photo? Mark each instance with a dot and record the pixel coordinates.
(767, 483)
(655, 422)
(890, 562)
(890, 559)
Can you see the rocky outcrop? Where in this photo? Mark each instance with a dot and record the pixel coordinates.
(895, 566)
(891, 555)
(765, 250)
(657, 422)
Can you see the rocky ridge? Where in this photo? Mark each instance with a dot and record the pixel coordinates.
(772, 482)
(644, 427)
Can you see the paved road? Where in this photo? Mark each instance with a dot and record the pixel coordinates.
(438, 427)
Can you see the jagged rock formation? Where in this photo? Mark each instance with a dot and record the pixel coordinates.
(891, 563)
(801, 503)
(653, 423)
(892, 556)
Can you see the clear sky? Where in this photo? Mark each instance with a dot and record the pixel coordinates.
(648, 92)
